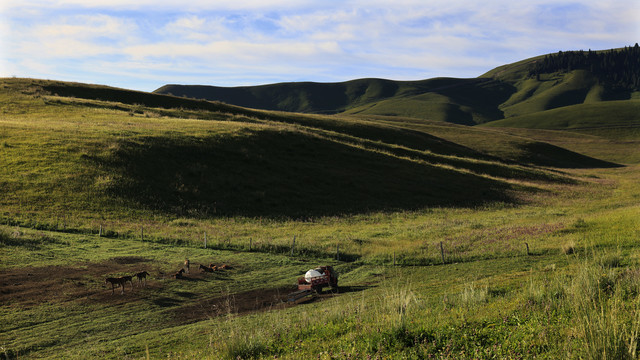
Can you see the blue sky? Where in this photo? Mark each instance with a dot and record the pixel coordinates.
(145, 44)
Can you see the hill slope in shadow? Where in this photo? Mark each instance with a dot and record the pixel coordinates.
(284, 174)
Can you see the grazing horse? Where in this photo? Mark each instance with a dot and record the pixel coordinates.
(121, 281)
(142, 275)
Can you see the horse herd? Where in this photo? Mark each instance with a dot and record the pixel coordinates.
(142, 276)
(122, 281)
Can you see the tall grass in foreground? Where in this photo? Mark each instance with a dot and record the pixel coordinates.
(591, 311)
(606, 307)
(602, 302)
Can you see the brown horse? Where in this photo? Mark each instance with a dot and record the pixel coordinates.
(142, 275)
(121, 281)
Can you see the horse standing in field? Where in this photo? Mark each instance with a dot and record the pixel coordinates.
(142, 275)
(120, 281)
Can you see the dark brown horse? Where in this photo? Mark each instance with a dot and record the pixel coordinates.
(142, 275)
(120, 281)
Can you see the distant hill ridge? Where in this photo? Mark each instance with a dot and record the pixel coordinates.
(529, 86)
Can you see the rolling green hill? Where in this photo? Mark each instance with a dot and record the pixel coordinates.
(463, 101)
(526, 87)
(580, 117)
(168, 155)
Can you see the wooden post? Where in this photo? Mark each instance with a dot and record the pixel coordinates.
(338, 252)
(205, 239)
(394, 258)
(527, 244)
(100, 233)
(442, 251)
(142, 233)
(293, 244)
(249, 244)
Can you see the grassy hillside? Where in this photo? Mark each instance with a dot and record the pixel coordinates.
(451, 241)
(464, 101)
(582, 117)
(236, 162)
(512, 90)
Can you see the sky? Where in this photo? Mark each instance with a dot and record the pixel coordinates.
(144, 44)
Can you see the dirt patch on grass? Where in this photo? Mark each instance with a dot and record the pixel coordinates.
(32, 286)
(128, 260)
(237, 304)
(248, 302)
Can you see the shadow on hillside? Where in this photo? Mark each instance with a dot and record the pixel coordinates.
(545, 154)
(283, 174)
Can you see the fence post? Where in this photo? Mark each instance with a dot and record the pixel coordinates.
(394, 258)
(527, 244)
(293, 244)
(442, 251)
(100, 233)
(142, 233)
(338, 252)
(205, 239)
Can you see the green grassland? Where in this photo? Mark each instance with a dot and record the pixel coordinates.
(381, 198)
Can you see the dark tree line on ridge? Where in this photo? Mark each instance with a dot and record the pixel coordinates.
(617, 68)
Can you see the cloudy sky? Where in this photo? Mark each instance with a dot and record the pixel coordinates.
(144, 44)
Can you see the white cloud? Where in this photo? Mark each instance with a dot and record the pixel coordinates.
(232, 51)
(302, 40)
(160, 5)
(87, 26)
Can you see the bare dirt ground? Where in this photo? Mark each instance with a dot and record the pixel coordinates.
(31, 286)
(249, 302)
(240, 303)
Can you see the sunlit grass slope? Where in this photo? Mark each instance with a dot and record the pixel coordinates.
(582, 117)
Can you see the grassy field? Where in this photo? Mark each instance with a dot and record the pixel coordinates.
(538, 230)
